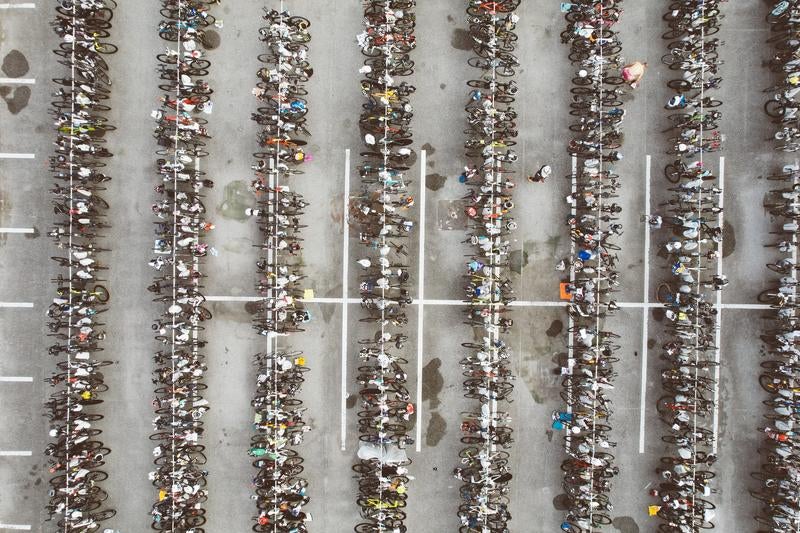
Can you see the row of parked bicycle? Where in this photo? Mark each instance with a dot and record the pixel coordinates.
(279, 424)
(484, 468)
(689, 380)
(178, 248)
(784, 105)
(780, 469)
(593, 224)
(76, 455)
(380, 212)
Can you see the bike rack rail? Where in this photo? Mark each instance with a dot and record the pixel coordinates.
(80, 343)
(276, 365)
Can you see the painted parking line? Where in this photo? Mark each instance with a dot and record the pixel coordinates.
(17, 230)
(345, 275)
(16, 379)
(421, 293)
(17, 81)
(15, 453)
(27, 5)
(645, 298)
(15, 527)
(14, 155)
(26, 305)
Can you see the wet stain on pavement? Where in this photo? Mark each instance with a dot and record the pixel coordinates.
(432, 382)
(15, 65)
(351, 401)
(461, 39)
(625, 524)
(211, 39)
(728, 239)
(434, 182)
(443, 86)
(429, 149)
(328, 310)
(18, 100)
(651, 343)
(236, 198)
(436, 429)
(517, 260)
(555, 328)
(251, 307)
(561, 502)
(658, 314)
(450, 19)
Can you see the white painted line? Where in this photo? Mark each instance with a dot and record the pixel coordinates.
(17, 81)
(11, 155)
(27, 305)
(15, 453)
(421, 293)
(29, 5)
(16, 527)
(233, 298)
(345, 268)
(718, 334)
(645, 299)
(16, 379)
(17, 230)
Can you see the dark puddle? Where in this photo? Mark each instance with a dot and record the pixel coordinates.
(428, 148)
(18, 100)
(442, 86)
(728, 239)
(658, 314)
(211, 39)
(561, 502)
(434, 182)
(461, 39)
(251, 307)
(436, 429)
(15, 65)
(432, 382)
(625, 524)
(651, 343)
(517, 260)
(555, 328)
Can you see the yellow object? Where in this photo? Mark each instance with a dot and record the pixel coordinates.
(300, 361)
(652, 510)
(308, 294)
(162, 494)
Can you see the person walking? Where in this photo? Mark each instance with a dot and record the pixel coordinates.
(633, 72)
(541, 175)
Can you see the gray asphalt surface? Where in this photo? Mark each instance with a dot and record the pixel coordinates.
(335, 100)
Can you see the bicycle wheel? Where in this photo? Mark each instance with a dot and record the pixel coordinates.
(106, 48)
(679, 85)
(774, 108)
